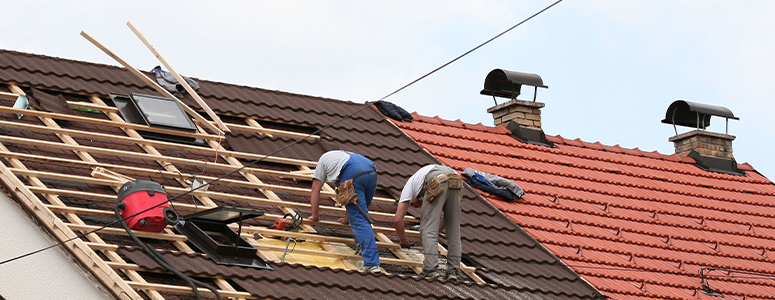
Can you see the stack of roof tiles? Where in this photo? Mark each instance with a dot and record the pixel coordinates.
(510, 260)
(635, 224)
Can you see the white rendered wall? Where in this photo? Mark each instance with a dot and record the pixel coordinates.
(45, 275)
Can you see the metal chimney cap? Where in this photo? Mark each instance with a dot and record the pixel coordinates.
(696, 115)
(507, 84)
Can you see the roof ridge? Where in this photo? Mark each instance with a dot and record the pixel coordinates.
(558, 139)
(102, 65)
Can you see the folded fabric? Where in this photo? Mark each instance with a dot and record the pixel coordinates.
(171, 84)
(393, 111)
(493, 184)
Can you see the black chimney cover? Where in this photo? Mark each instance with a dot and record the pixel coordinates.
(696, 115)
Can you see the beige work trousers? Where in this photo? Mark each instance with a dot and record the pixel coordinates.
(448, 204)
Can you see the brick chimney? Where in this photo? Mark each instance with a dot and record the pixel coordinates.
(706, 143)
(525, 113)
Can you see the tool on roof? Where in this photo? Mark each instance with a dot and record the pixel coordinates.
(136, 197)
(139, 200)
(287, 222)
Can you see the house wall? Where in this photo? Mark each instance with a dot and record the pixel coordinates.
(45, 275)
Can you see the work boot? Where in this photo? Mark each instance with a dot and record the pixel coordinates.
(370, 269)
(430, 274)
(451, 274)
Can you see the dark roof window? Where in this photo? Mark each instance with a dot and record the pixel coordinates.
(208, 230)
(162, 111)
(157, 112)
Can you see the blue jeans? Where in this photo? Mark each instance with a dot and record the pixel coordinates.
(364, 185)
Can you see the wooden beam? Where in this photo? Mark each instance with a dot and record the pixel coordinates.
(96, 121)
(10, 96)
(385, 260)
(86, 105)
(187, 289)
(180, 207)
(200, 120)
(151, 157)
(168, 145)
(248, 231)
(268, 131)
(121, 231)
(217, 195)
(200, 164)
(180, 79)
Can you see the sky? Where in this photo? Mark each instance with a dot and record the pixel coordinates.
(613, 67)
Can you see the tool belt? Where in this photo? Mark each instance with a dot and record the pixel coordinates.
(433, 187)
(345, 192)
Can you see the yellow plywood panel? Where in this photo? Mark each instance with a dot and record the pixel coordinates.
(307, 259)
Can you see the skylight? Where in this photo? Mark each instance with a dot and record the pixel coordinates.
(157, 112)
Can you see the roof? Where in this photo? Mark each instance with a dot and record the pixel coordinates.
(53, 176)
(635, 224)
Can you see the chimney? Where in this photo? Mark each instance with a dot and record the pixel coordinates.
(697, 115)
(706, 143)
(523, 112)
(508, 84)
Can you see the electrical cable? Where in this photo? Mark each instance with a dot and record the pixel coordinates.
(472, 50)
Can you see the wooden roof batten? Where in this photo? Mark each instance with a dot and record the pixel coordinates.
(136, 282)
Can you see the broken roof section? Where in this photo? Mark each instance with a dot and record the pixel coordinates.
(635, 224)
(55, 175)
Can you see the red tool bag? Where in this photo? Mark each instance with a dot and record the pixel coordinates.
(140, 195)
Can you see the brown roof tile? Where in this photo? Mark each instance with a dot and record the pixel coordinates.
(508, 257)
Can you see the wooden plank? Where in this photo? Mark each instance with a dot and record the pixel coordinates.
(10, 96)
(185, 207)
(399, 252)
(217, 195)
(96, 121)
(121, 231)
(268, 131)
(187, 289)
(248, 231)
(197, 117)
(470, 271)
(168, 159)
(168, 145)
(86, 105)
(385, 260)
(180, 79)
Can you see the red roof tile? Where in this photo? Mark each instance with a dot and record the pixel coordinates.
(635, 224)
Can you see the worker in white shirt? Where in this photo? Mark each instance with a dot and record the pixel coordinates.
(436, 189)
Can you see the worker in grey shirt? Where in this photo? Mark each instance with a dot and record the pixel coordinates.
(338, 166)
(437, 190)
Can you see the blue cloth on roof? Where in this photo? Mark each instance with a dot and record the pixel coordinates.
(493, 184)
